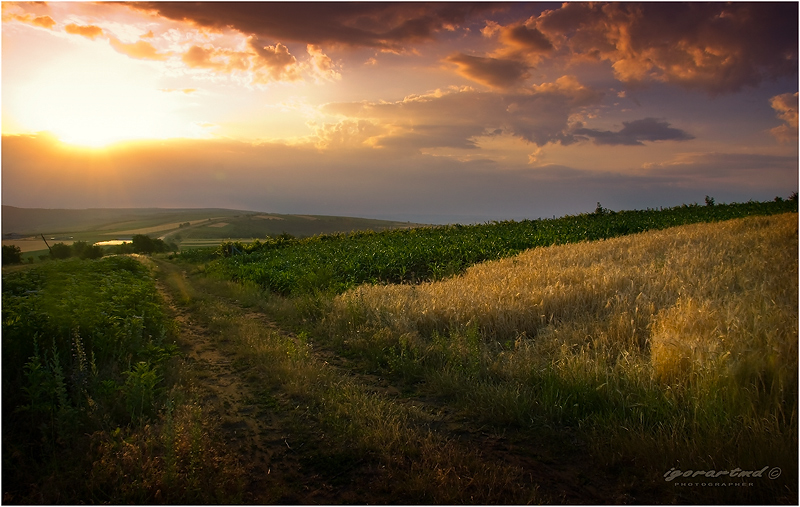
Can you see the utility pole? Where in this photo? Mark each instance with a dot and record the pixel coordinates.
(48, 246)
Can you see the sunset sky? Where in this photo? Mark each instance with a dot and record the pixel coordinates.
(452, 112)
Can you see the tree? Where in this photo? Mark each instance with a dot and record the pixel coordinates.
(78, 248)
(60, 251)
(147, 245)
(11, 254)
(92, 252)
(143, 244)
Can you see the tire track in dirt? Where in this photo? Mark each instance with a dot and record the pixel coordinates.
(229, 390)
(263, 439)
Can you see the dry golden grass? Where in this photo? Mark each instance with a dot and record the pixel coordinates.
(679, 300)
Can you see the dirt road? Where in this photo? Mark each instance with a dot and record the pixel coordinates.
(292, 451)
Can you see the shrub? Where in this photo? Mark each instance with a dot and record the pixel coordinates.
(11, 254)
(60, 251)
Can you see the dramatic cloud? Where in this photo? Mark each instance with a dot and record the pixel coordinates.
(519, 41)
(716, 47)
(376, 24)
(634, 133)
(262, 64)
(786, 107)
(359, 108)
(273, 63)
(454, 118)
(320, 66)
(492, 72)
(88, 31)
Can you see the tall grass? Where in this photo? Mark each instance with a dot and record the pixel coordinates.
(346, 428)
(91, 410)
(681, 342)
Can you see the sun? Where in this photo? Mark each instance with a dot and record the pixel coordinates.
(97, 101)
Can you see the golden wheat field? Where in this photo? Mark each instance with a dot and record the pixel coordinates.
(666, 307)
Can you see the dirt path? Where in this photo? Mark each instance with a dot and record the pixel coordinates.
(230, 391)
(257, 424)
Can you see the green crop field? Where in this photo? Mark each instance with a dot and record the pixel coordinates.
(340, 261)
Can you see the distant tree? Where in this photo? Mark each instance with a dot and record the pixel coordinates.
(11, 254)
(143, 244)
(92, 252)
(60, 251)
(78, 248)
(709, 201)
(84, 250)
(147, 245)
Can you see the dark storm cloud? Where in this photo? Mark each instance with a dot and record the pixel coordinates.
(634, 133)
(377, 25)
(716, 47)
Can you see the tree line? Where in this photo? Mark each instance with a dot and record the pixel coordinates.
(140, 244)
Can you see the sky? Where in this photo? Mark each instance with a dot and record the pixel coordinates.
(426, 112)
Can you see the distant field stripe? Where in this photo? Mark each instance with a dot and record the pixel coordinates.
(159, 228)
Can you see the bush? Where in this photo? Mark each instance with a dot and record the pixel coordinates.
(84, 250)
(146, 245)
(60, 251)
(11, 254)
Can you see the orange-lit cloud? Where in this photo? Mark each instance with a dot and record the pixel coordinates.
(219, 60)
(41, 21)
(273, 63)
(454, 118)
(345, 134)
(786, 107)
(715, 47)
(88, 31)
(492, 72)
(262, 64)
(519, 41)
(140, 50)
(321, 67)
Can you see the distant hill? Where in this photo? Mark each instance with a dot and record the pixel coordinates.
(187, 227)
(54, 221)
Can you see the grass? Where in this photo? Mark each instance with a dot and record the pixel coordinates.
(673, 347)
(93, 410)
(350, 433)
(568, 373)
